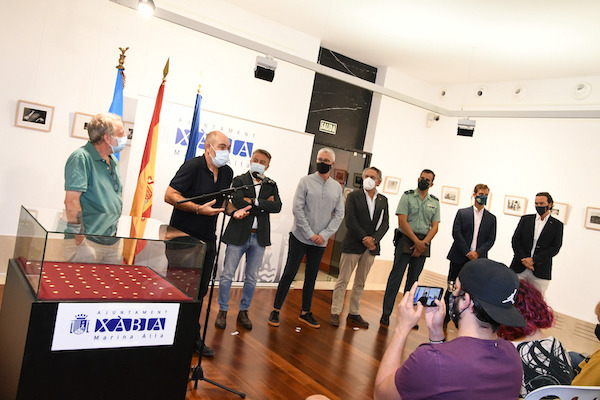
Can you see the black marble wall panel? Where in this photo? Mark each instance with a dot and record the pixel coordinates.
(341, 103)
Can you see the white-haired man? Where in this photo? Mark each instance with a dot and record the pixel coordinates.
(318, 212)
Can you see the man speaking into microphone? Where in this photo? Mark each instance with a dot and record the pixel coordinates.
(249, 235)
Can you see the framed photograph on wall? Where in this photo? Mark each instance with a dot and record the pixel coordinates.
(340, 176)
(347, 191)
(80, 123)
(515, 205)
(391, 185)
(357, 183)
(450, 195)
(128, 128)
(592, 218)
(560, 211)
(34, 116)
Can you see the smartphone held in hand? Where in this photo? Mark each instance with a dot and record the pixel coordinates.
(426, 295)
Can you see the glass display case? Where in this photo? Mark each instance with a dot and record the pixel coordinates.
(106, 257)
(97, 298)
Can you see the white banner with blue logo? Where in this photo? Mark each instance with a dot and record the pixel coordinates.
(82, 326)
(291, 152)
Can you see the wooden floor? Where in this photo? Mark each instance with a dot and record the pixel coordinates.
(341, 363)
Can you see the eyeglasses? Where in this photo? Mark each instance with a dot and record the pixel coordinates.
(324, 160)
(114, 179)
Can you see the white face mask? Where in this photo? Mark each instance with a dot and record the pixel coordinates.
(221, 157)
(121, 142)
(369, 184)
(256, 167)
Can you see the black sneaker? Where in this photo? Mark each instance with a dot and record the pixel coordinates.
(357, 320)
(244, 320)
(274, 318)
(385, 320)
(309, 320)
(206, 351)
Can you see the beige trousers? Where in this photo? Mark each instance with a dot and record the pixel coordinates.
(348, 262)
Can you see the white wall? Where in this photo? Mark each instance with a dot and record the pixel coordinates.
(518, 157)
(63, 53)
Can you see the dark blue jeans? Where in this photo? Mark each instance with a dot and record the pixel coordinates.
(296, 251)
(401, 260)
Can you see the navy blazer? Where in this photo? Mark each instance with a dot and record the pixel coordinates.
(547, 246)
(463, 231)
(359, 224)
(238, 230)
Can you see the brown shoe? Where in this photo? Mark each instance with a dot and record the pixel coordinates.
(221, 321)
(244, 320)
(335, 319)
(357, 320)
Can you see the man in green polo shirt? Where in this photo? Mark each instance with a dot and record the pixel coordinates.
(418, 219)
(93, 191)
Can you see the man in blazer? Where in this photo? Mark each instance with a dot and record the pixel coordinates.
(536, 240)
(367, 221)
(474, 234)
(248, 236)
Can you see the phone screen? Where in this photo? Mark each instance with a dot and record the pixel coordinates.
(427, 295)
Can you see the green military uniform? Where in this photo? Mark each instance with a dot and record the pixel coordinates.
(420, 213)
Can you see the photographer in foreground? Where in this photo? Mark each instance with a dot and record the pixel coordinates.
(477, 364)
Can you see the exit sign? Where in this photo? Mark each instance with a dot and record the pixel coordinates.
(328, 127)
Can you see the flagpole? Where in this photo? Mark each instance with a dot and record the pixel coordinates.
(141, 207)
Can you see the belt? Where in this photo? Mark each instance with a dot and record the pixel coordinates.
(253, 230)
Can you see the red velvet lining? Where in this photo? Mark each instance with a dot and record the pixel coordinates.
(78, 281)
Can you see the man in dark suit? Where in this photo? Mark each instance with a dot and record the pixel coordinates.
(474, 234)
(536, 240)
(247, 236)
(367, 221)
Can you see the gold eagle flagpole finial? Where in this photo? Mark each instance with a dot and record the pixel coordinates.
(121, 66)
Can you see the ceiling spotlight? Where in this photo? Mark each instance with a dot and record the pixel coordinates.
(466, 127)
(146, 7)
(265, 68)
(519, 92)
(481, 91)
(582, 90)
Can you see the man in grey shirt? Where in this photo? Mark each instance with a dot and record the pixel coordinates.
(318, 212)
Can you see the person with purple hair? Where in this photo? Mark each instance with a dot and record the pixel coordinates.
(545, 360)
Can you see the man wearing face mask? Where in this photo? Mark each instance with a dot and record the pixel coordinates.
(418, 219)
(249, 235)
(205, 174)
(536, 240)
(475, 365)
(474, 234)
(367, 221)
(318, 212)
(93, 190)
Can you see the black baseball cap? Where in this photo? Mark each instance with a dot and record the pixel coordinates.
(495, 287)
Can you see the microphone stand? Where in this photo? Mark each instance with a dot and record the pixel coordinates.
(197, 372)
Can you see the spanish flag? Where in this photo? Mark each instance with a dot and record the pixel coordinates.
(142, 200)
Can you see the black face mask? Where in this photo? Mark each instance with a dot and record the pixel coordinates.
(423, 184)
(453, 309)
(323, 168)
(541, 210)
(597, 331)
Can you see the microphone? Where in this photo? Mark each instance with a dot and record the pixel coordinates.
(258, 176)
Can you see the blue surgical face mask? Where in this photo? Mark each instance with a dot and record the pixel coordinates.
(256, 167)
(481, 199)
(121, 142)
(221, 157)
